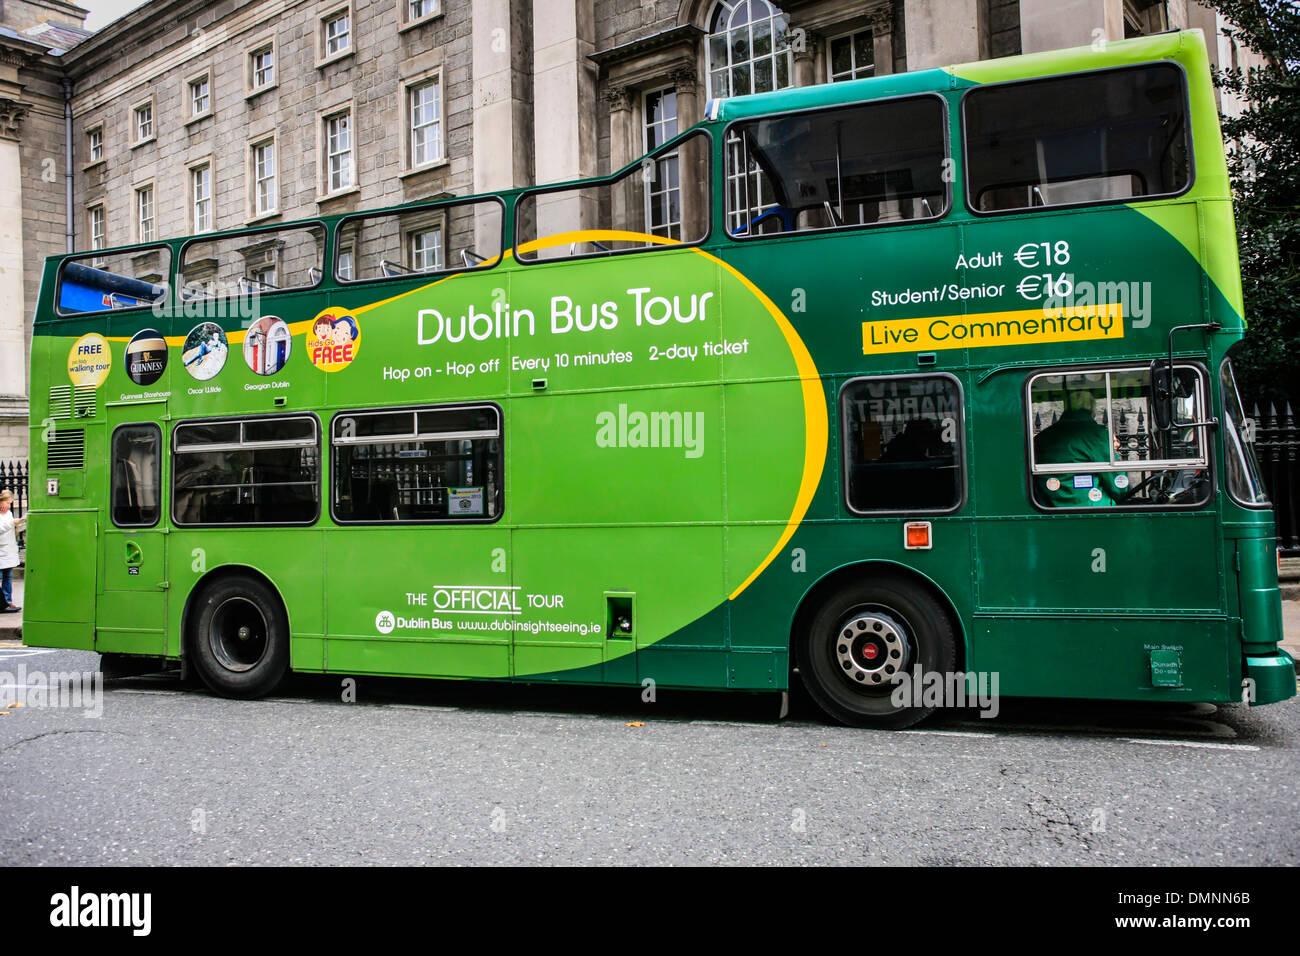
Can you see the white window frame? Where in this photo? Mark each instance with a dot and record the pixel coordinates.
(853, 73)
(193, 201)
(140, 220)
(710, 67)
(418, 225)
(94, 139)
(256, 177)
(205, 76)
(326, 187)
(136, 138)
(332, 15)
(265, 47)
(672, 157)
(96, 216)
(409, 88)
(1162, 464)
(404, 13)
(440, 258)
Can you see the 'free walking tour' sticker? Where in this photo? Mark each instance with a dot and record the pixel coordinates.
(89, 360)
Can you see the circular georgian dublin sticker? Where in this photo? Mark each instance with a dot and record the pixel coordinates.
(89, 360)
(146, 357)
(266, 345)
(333, 339)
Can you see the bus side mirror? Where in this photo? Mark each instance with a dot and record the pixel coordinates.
(1162, 397)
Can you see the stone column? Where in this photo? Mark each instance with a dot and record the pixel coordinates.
(882, 40)
(623, 149)
(13, 307)
(807, 60)
(1058, 24)
(503, 121)
(944, 32)
(693, 159)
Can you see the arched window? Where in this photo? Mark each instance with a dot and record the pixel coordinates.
(748, 50)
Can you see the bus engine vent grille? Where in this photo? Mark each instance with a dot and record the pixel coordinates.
(83, 401)
(67, 449)
(60, 401)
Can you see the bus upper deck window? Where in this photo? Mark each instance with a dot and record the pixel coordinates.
(120, 280)
(821, 170)
(1108, 136)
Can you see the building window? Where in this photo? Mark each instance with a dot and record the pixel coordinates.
(97, 227)
(262, 68)
(201, 194)
(144, 122)
(346, 268)
(95, 144)
(144, 214)
(748, 49)
(426, 122)
(426, 250)
(418, 9)
(852, 57)
(337, 29)
(200, 95)
(338, 152)
(663, 192)
(264, 194)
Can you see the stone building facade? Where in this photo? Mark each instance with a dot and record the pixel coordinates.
(192, 115)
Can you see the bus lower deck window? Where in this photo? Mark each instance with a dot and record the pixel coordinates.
(903, 444)
(418, 465)
(136, 474)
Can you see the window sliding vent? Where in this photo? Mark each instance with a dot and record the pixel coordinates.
(67, 449)
(60, 401)
(83, 401)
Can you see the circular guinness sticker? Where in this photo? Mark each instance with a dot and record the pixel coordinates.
(146, 357)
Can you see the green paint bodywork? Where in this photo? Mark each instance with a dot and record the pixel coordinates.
(683, 534)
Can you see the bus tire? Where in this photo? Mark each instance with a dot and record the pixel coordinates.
(240, 638)
(862, 637)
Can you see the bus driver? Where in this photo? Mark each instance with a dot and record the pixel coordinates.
(1076, 437)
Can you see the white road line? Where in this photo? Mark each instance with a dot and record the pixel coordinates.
(7, 652)
(952, 733)
(1188, 743)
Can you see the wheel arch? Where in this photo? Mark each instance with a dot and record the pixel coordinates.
(211, 577)
(833, 580)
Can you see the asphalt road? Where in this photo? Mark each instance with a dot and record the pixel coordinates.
(446, 772)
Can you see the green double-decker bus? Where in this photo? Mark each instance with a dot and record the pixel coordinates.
(923, 374)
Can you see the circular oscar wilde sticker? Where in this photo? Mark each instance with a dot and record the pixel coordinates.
(146, 357)
(205, 350)
(333, 339)
(89, 360)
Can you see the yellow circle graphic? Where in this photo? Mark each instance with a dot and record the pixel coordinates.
(333, 339)
(89, 360)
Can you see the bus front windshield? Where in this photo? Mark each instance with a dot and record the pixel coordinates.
(1240, 466)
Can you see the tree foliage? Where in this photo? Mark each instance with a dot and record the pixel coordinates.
(1264, 163)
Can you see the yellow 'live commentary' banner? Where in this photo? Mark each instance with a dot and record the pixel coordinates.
(1024, 327)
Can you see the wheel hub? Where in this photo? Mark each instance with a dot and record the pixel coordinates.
(871, 648)
(238, 634)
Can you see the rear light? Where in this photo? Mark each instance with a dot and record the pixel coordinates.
(916, 536)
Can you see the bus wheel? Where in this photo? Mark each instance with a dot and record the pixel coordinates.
(240, 638)
(863, 637)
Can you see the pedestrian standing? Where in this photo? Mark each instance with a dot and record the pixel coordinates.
(9, 528)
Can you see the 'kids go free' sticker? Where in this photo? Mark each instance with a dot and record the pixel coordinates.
(333, 339)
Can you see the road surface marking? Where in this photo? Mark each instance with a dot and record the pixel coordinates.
(1188, 743)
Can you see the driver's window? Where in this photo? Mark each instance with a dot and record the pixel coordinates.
(1093, 443)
